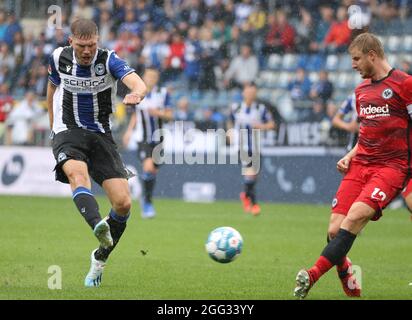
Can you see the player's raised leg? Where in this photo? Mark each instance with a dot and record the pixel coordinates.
(117, 190)
(77, 174)
(337, 248)
(344, 268)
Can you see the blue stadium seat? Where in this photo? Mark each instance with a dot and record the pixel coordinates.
(316, 62)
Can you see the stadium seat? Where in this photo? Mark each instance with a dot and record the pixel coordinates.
(315, 63)
(283, 80)
(332, 62)
(345, 63)
(344, 81)
(289, 62)
(407, 43)
(274, 61)
(393, 59)
(393, 44)
(265, 79)
(314, 76)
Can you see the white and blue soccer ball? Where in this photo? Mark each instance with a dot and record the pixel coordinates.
(224, 244)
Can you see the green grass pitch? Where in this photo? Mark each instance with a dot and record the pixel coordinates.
(36, 233)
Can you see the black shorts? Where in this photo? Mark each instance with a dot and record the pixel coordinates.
(98, 150)
(145, 151)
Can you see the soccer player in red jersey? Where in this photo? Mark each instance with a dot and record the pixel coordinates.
(375, 170)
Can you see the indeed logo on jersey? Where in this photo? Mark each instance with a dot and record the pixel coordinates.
(373, 111)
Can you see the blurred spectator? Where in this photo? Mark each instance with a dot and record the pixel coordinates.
(182, 112)
(323, 88)
(322, 29)
(3, 25)
(243, 69)
(130, 24)
(20, 121)
(175, 58)
(207, 79)
(6, 104)
(280, 37)
(155, 49)
(105, 24)
(231, 48)
(243, 9)
(338, 37)
(299, 87)
(192, 56)
(13, 26)
(193, 12)
(6, 57)
(305, 33)
(388, 9)
(81, 9)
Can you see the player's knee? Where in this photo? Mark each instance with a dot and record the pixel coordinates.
(332, 232)
(122, 204)
(77, 178)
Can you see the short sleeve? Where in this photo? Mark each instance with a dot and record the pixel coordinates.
(54, 76)
(118, 67)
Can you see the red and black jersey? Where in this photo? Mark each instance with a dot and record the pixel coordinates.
(384, 121)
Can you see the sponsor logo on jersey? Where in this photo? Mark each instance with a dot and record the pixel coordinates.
(100, 69)
(68, 68)
(374, 111)
(387, 93)
(87, 83)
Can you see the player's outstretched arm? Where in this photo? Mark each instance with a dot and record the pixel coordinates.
(137, 88)
(51, 89)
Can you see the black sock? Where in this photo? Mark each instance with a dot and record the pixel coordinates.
(149, 180)
(117, 226)
(249, 185)
(87, 205)
(343, 259)
(339, 246)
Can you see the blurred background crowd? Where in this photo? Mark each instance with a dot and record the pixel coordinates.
(206, 50)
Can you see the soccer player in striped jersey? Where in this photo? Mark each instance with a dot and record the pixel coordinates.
(80, 99)
(348, 107)
(146, 122)
(244, 117)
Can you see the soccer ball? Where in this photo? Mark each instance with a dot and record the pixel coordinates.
(224, 244)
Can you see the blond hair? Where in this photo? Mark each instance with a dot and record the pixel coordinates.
(366, 42)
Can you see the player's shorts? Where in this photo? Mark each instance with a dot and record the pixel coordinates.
(375, 186)
(147, 150)
(98, 150)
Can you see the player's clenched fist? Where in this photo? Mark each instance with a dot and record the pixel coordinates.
(132, 98)
(343, 165)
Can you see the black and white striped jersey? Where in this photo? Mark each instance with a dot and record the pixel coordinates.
(146, 124)
(244, 117)
(85, 95)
